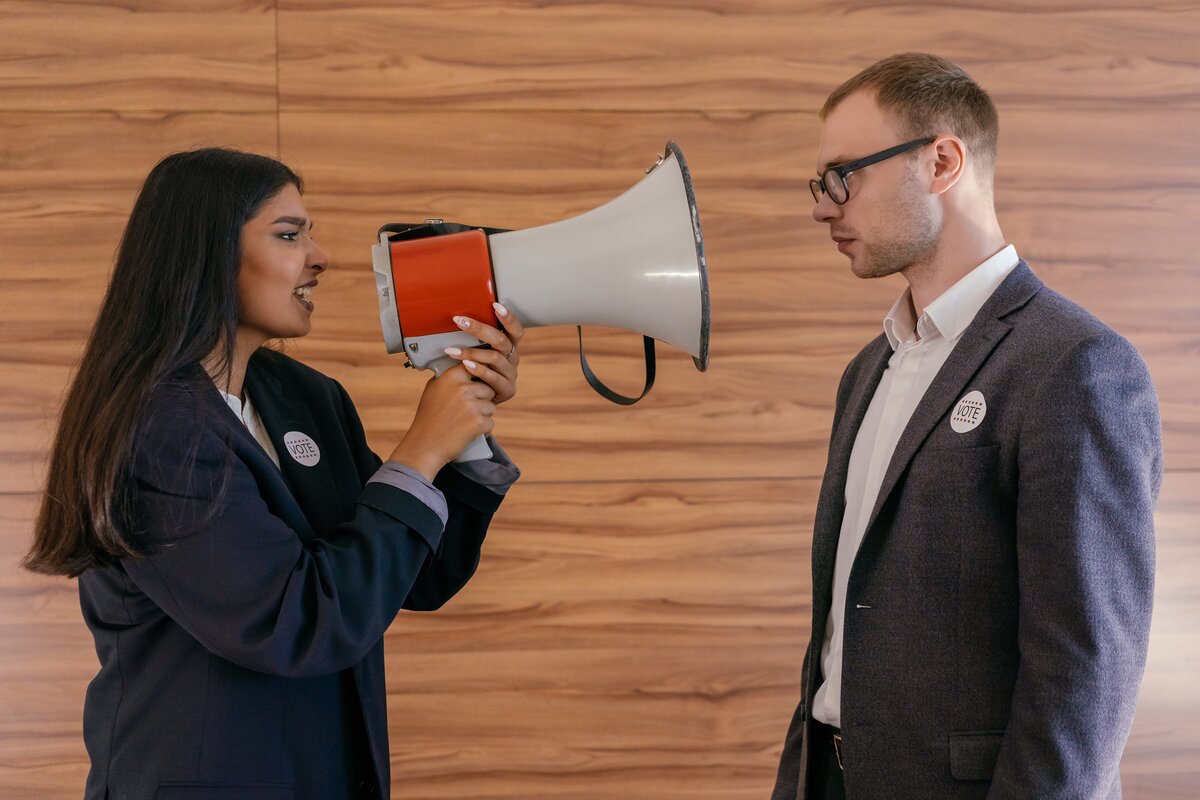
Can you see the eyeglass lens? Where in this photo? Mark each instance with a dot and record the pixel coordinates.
(835, 187)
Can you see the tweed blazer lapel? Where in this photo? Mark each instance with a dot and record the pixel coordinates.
(831, 504)
(977, 343)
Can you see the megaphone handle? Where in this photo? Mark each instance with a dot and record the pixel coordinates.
(478, 448)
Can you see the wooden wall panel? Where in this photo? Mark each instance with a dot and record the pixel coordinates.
(532, 169)
(138, 55)
(636, 625)
(67, 183)
(620, 640)
(46, 661)
(719, 55)
(776, 281)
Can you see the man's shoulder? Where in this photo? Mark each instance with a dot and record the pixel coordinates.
(1052, 324)
(1056, 313)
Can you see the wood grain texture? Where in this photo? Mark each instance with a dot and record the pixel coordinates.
(67, 183)
(636, 625)
(138, 55)
(718, 55)
(619, 640)
(778, 287)
(776, 282)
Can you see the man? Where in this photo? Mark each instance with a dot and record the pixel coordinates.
(983, 552)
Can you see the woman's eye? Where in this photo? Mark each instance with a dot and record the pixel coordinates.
(289, 236)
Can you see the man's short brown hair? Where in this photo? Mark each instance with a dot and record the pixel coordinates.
(929, 95)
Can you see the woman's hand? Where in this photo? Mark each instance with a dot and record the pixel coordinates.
(496, 367)
(454, 410)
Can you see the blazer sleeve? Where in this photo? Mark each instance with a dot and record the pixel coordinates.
(246, 585)
(469, 506)
(1090, 466)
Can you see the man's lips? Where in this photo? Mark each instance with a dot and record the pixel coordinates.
(843, 242)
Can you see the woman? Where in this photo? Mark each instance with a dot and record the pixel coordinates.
(240, 550)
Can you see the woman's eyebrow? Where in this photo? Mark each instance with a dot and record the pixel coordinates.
(300, 221)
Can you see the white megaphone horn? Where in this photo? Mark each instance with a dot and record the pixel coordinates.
(636, 262)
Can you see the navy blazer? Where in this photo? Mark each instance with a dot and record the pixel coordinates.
(242, 657)
(998, 608)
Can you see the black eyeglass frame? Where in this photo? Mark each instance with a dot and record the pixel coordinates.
(818, 186)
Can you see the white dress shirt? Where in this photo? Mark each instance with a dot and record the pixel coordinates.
(921, 348)
(248, 414)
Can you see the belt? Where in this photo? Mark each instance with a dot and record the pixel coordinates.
(830, 736)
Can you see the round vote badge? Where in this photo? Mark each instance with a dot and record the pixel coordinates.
(302, 448)
(968, 412)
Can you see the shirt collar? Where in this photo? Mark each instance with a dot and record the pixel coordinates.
(243, 410)
(951, 313)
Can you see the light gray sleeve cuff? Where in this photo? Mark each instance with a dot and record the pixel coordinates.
(409, 480)
(496, 474)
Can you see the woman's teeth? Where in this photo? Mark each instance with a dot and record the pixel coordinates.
(304, 292)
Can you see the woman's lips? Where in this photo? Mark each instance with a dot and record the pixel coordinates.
(303, 292)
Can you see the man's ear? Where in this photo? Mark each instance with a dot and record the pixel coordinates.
(950, 162)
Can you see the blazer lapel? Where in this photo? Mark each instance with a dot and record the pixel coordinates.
(972, 350)
(831, 504)
(287, 419)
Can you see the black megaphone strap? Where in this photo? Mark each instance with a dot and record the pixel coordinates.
(609, 394)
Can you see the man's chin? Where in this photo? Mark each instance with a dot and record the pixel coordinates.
(870, 268)
(862, 269)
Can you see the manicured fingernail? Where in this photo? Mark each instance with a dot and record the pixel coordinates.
(462, 322)
(452, 351)
(470, 364)
(501, 310)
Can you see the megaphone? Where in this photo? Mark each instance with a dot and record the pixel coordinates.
(636, 262)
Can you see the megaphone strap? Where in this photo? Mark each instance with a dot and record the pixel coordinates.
(399, 231)
(609, 394)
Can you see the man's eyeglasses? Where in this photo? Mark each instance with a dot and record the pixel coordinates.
(833, 180)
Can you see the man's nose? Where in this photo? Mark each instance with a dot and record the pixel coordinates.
(826, 210)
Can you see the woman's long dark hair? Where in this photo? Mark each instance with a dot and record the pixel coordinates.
(171, 302)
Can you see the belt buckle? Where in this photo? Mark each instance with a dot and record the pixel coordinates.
(837, 750)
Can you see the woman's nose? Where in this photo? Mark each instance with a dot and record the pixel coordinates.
(318, 260)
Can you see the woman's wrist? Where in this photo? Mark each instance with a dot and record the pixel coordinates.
(427, 464)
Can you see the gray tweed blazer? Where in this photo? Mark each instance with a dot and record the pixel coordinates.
(999, 605)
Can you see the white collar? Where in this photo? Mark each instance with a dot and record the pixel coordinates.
(953, 310)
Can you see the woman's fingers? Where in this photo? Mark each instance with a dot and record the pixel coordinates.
(490, 336)
(503, 341)
(512, 326)
(496, 366)
(502, 385)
